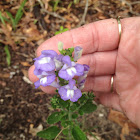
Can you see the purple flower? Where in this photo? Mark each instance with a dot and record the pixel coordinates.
(45, 81)
(77, 53)
(70, 92)
(82, 79)
(58, 61)
(45, 61)
(70, 69)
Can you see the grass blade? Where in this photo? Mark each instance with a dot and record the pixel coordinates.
(5, 19)
(8, 56)
(2, 19)
(20, 12)
(12, 19)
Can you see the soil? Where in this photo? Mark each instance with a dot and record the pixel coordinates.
(24, 109)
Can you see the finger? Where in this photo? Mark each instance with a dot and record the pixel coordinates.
(109, 100)
(101, 63)
(98, 83)
(33, 78)
(93, 37)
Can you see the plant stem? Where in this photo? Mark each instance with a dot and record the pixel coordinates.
(70, 119)
(60, 133)
(83, 122)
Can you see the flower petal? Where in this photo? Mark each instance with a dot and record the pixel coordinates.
(55, 84)
(45, 66)
(72, 83)
(46, 81)
(37, 84)
(86, 67)
(67, 74)
(58, 64)
(77, 95)
(49, 53)
(77, 53)
(63, 93)
(66, 60)
(80, 69)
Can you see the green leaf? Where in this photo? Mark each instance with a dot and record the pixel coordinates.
(73, 107)
(60, 46)
(81, 112)
(71, 49)
(61, 30)
(78, 134)
(55, 5)
(66, 123)
(74, 116)
(12, 19)
(83, 98)
(19, 12)
(8, 56)
(64, 118)
(54, 117)
(88, 107)
(65, 132)
(2, 19)
(6, 19)
(63, 103)
(49, 133)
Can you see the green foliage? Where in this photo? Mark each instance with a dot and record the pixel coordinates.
(66, 123)
(75, 1)
(20, 12)
(8, 56)
(49, 133)
(61, 30)
(88, 107)
(65, 132)
(14, 20)
(78, 134)
(54, 117)
(54, 4)
(68, 52)
(74, 116)
(68, 117)
(2, 19)
(57, 102)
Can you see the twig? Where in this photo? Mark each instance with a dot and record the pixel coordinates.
(60, 132)
(135, 2)
(54, 14)
(50, 13)
(130, 6)
(84, 15)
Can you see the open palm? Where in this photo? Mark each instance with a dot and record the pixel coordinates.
(106, 57)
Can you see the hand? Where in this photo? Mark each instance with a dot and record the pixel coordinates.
(106, 57)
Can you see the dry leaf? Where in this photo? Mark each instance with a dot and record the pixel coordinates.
(33, 131)
(26, 64)
(125, 131)
(25, 72)
(121, 120)
(4, 75)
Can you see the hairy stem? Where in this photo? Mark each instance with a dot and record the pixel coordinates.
(70, 119)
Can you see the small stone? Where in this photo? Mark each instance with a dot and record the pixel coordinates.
(101, 115)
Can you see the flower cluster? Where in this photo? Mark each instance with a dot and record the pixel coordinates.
(62, 72)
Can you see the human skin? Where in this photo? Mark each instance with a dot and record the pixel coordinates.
(106, 56)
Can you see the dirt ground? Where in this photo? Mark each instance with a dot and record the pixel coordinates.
(24, 109)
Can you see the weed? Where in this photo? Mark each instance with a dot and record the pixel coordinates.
(8, 56)
(14, 20)
(61, 30)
